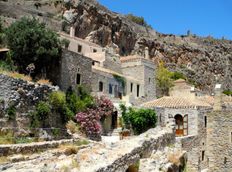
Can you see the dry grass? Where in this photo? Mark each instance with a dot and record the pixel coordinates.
(44, 81)
(72, 127)
(16, 75)
(69, 149)
(3, 160)
(174, 157)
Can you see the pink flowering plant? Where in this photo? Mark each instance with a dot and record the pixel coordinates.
(90, 119)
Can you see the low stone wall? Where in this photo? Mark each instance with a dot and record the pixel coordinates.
(6, 150)
(125, 153)
(21, 94)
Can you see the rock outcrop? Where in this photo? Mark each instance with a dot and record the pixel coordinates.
(200, 59)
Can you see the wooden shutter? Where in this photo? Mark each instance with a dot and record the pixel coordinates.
(185, 125)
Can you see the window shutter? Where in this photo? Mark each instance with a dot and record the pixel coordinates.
(186, 125)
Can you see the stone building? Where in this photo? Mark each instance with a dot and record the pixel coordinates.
(130, 79)
(197, 127)
(219, 141)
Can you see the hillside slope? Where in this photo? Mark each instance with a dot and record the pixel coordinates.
(200, 59)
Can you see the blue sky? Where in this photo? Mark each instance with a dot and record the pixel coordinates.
(201, 17)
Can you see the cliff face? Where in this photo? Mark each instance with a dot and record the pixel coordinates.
(200, 59)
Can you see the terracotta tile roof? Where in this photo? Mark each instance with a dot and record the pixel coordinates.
(175, 102)
(210, 99)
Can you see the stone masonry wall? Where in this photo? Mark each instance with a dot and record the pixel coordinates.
(23, 96)
(219, 140)
(118, 157)
(71, 65)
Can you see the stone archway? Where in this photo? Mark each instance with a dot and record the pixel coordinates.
(179, 125)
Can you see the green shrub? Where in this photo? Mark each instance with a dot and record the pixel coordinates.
(58, 100)
(227, 92)
(125, 117)
(177, 75)
(139, 119)
(43, 110)
(11, 113)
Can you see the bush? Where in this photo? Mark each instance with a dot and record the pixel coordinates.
(72, 127)
(43, 110)
(89, 120)
(227, 92)
(177, 75)
(11, 113)
(140, 120)
(125, 117)
(57, 100)
(138, 20)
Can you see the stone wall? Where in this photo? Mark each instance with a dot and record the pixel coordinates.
(71, 65)
(120, 156)
(6, 150)
(219, 140)
(22, 95)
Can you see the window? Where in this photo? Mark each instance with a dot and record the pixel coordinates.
(231, 137)
(110, 89)
(94, 50)
(137, 90)
(101, 86)
(131, 87)
(79, 48)
(78, 79)
(203, 155)
(179, 125)
(93, 63)
(185, 122)
(149, 80)
(205, 121)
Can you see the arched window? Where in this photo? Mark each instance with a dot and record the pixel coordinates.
(101, 86)
(179, 125)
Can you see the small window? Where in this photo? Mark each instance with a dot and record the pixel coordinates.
(93, 63)
(138, 90)
(231, 137)
(225, 160)
(79, 49)
(101, 86)
(78, 79)
(203, 155)
(205, 121)
(131, 87)
(149, 80)
(94, 50)
(110, 89)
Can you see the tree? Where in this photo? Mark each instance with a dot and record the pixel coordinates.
(31, 42)
(164, 80)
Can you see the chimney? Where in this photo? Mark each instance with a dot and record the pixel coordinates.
(217, 98)
(72, 31)
(147, 53)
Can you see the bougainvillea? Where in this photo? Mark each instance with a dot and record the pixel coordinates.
(90, 119)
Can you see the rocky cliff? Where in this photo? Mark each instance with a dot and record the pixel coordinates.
(200, 59)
